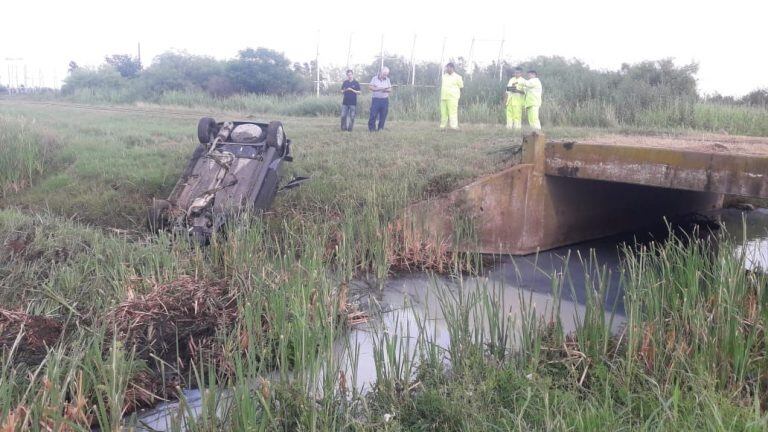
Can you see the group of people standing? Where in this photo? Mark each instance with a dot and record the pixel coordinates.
(522, 93)
(380, 86)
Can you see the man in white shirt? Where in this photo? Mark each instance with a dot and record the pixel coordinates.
(381, 87)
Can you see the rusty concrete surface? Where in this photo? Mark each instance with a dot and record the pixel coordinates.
(545, 202)
(488, 215)
(710, 163)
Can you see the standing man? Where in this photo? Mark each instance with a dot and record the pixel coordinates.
(350, 89)
(532, 87)
(381, 87)
(450, 92)
(515, 99)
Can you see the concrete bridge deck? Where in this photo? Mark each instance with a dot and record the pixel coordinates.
(568, 192)
(705, 163)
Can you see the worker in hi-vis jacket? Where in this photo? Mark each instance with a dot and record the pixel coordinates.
(532, 88)
(450, 92)
(514, 100)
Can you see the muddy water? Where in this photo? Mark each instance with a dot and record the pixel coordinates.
(754, 234)
(410, 304)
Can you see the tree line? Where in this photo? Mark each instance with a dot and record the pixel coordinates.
(629, 90)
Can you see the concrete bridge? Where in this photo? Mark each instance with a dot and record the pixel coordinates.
(566, 192)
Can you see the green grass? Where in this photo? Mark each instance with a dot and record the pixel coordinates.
(421, 105)
(690, 357)
(110, 164)
(26, 154)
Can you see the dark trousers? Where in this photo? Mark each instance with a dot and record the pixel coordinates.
(379, 108)
(348, 117)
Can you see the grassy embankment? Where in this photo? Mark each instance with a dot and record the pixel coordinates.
(94, 307)
(479, 106)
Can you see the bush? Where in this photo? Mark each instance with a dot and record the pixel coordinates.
(757, 98)
(654, 94)
(103, 79)
(174, 71)
(262, 71)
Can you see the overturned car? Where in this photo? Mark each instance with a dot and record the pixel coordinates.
(235, 168)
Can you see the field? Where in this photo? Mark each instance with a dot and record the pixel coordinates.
(480, 106)
(98, 318)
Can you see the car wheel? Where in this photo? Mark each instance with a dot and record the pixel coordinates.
(276, 136)
(196, 155)
(206, 130)
(157, 216)
(268, 191)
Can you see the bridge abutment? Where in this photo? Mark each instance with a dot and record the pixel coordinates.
(522, 210)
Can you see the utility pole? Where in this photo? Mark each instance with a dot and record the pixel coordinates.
(442, 60)
(349, 50)
(382, 52)
(501, 54)
(413, 61)
(470, 68)
(317, 66)
(138, 52)
(13, 71)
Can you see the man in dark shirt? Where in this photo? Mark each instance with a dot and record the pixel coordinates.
(350, 88)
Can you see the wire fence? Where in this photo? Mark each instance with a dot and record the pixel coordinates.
(363, 50)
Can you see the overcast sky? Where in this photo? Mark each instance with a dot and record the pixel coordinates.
(728, 39)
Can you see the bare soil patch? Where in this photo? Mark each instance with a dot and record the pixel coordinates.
(35, 335)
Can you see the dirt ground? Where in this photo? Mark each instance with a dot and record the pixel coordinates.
(706, 143)
(29, 335)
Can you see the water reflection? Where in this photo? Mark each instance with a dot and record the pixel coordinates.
(411, 302)
(751, 229)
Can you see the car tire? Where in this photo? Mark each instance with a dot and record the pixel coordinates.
(157, 216)
(196, 155)
(206, 130)
(276, 136)
(268, 191)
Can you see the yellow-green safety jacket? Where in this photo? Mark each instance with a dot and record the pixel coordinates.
(514, 98)
(452, 85)
(532, 89)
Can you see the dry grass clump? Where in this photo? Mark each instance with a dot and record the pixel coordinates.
(410, 250)
(174, 321)
(172, 318)
(30, 336)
